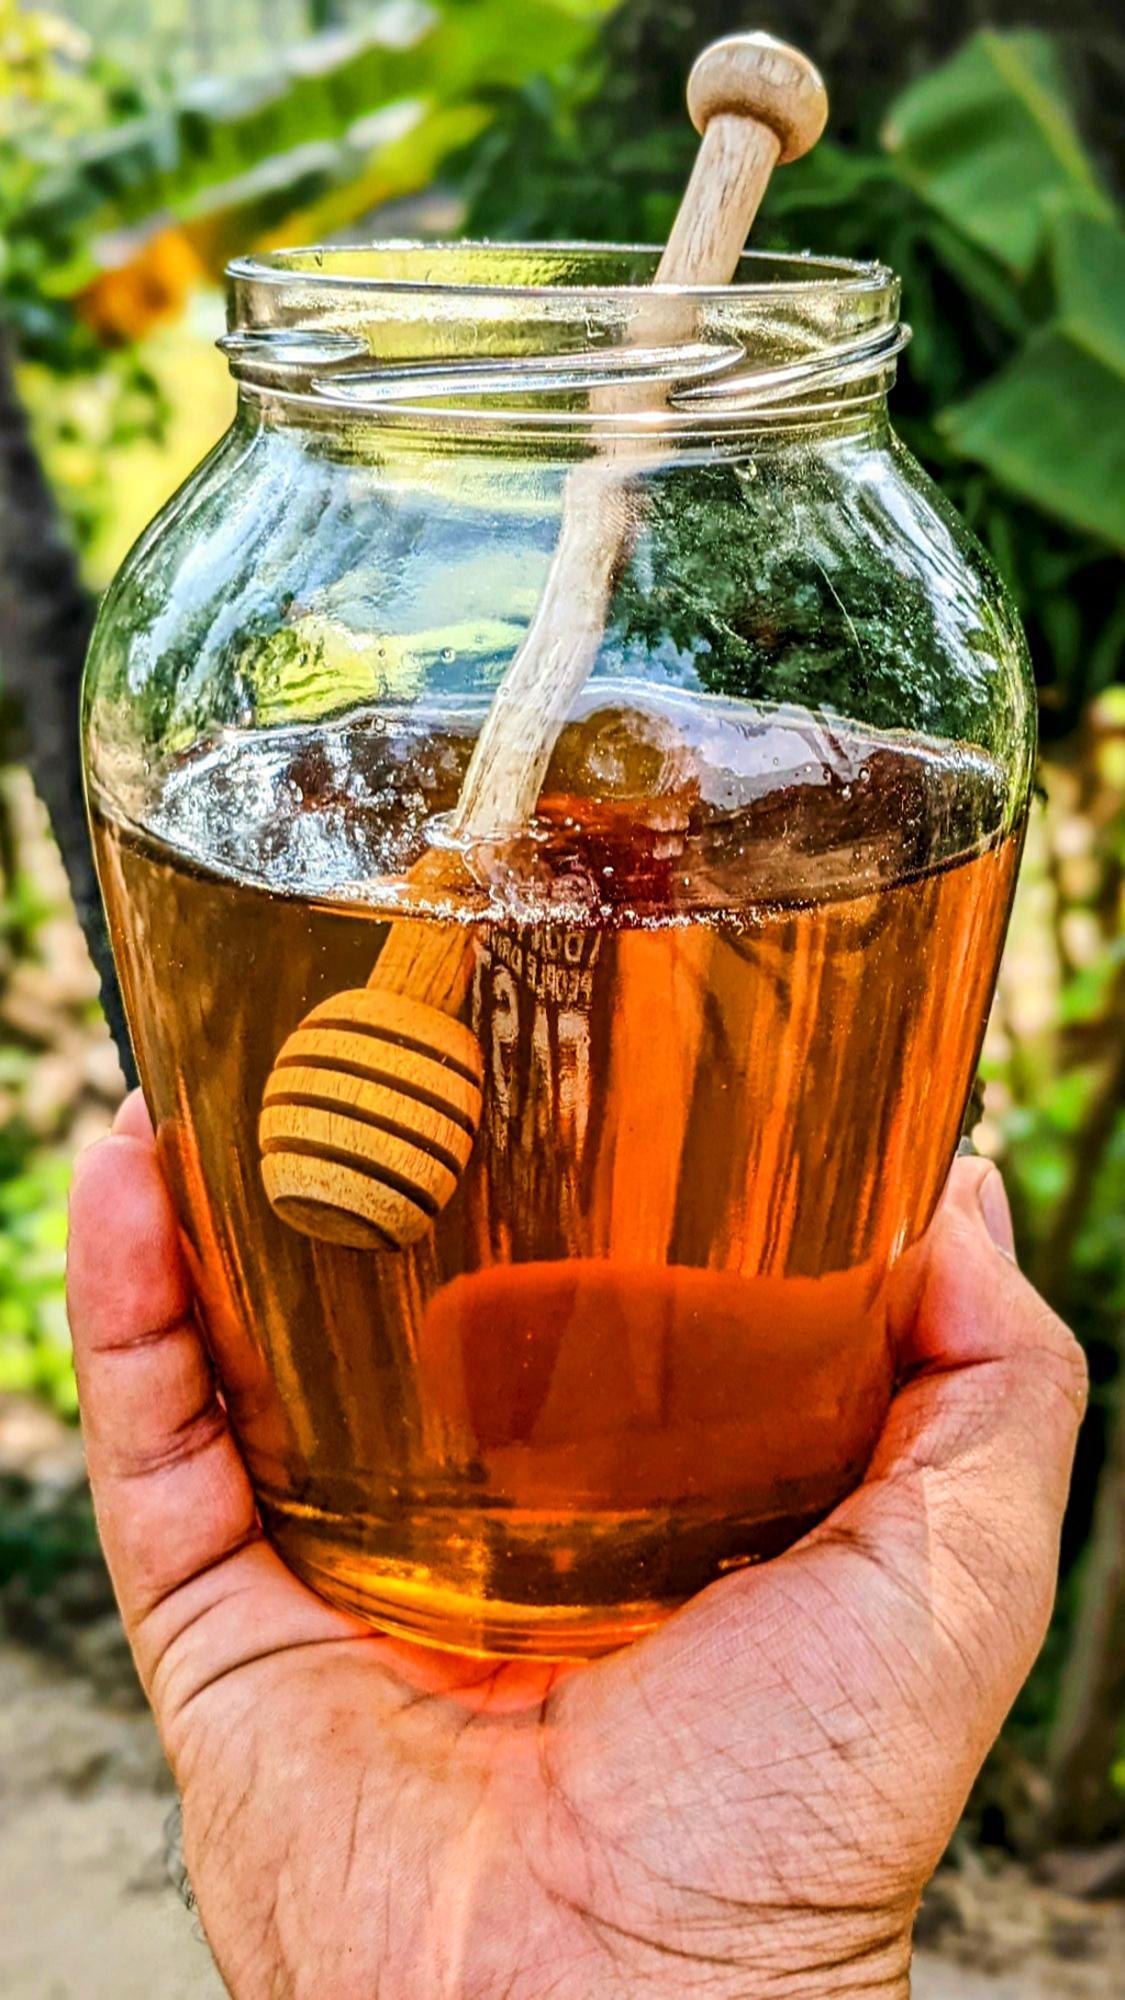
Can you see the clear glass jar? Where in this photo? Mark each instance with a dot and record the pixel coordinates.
(720, 999)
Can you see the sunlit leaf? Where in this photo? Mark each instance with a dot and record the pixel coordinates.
(266, 147)
(1087, 256)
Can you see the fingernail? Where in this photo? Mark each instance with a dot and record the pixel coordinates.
(992, 1198)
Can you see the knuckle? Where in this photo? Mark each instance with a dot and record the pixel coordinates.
(185, 1441)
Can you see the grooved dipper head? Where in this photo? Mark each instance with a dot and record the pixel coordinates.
(368, 1119)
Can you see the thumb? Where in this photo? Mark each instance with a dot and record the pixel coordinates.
(964, 1302)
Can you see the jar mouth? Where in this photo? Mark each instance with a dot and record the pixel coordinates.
(529, 271)
(560, 337)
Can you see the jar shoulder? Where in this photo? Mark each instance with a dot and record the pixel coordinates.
(284, 581)
(839, 577)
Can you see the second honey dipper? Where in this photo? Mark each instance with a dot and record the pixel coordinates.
(371, 1109)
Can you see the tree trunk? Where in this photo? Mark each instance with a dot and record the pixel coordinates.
(46, 616)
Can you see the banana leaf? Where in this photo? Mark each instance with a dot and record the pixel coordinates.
(988, 141)
(1051, 424)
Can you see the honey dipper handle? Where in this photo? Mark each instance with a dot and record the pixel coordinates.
(370, 1111)
(756, 101)
(430, 960)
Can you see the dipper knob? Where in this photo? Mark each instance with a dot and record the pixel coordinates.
(754, 76)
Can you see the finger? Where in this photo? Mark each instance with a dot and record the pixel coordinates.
(992, 1195)
(979, 1443)
(175, 1507)
(973, 1309)
(971, 1473)
(948, 1552)
(172, 1496)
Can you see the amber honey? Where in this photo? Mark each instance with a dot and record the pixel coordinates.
(729, 990)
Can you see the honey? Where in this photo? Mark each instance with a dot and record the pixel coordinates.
(729, 991)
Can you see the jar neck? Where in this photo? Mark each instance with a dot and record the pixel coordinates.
(865, 421)
(564, 345)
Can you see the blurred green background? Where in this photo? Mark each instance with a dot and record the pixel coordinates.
(976, 148)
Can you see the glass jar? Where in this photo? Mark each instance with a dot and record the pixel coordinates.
(710, 1011)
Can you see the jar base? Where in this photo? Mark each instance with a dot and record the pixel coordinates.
(416, 1608)
(453, 1622)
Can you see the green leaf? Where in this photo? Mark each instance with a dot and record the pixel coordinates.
(1087, 255)
(1051, 425)
(398, 167)
(989, 142)
(1044, 428)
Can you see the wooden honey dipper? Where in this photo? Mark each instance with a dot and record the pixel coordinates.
(372, 1106)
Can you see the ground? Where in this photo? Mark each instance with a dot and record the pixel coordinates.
(92, 1914)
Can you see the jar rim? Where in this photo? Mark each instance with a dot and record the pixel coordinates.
(309, 264)
(497, 335)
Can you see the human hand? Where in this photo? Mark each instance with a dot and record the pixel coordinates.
(747, 1803)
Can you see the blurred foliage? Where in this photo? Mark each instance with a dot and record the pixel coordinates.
(55, 95)
(974, 184)
(46, 1537)
(117, 202)
(114, 457)
(34, 1342)
(54, 1019)
(328, 127)
(1055, 1068)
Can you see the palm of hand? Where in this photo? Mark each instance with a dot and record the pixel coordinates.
(747, 1803)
